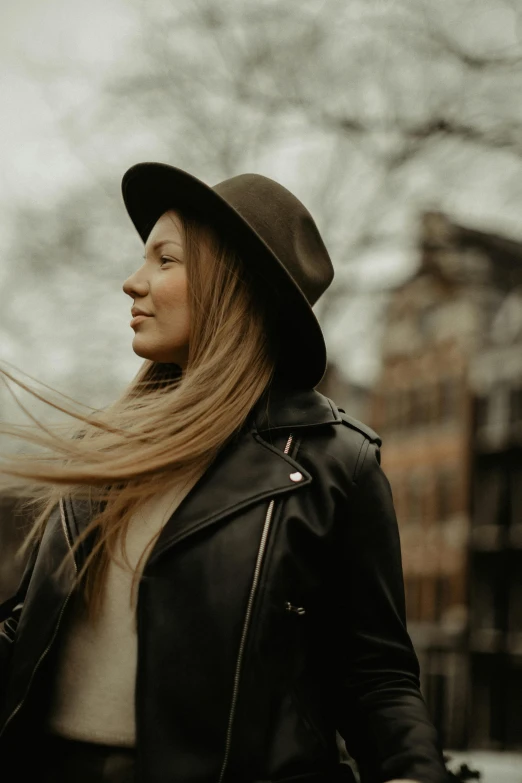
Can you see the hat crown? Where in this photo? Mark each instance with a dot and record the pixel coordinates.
(285, 226)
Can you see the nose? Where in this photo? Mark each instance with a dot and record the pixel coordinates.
(135, 286)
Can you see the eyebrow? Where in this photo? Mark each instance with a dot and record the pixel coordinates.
(160, 243)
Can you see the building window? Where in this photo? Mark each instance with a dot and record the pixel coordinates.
(403, 407)
(415, 407)
(490, 488)
(413, 594)
(515, 494)
(515, 604)
(498, 413)
(445, 493)
(481, 411)
(488, 599)
(513, 718)
(392, 413)
(448, 398)
(396, 409)
(415, 497)
(488, 695)
(427, 320)
(515, 406)
(431, 403)
(441, 596)
(421, 405)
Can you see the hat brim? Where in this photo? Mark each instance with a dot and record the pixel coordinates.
(150, 189)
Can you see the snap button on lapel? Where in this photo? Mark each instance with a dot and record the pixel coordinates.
(296, 609)
(296, 476)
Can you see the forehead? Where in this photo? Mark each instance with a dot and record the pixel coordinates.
(167, 227)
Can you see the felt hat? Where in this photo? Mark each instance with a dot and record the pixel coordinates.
(275, 235)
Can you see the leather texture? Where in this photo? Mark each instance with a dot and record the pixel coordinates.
(271, 615)
(69, 761)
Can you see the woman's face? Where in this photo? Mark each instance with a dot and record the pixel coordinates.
(159, 288)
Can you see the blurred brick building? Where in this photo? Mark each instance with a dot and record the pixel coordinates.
(495, 556)
(438, 328)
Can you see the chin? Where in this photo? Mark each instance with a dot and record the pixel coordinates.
(161, 356)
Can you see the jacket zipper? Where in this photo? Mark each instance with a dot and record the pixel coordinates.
(43, 655)
(246, 624)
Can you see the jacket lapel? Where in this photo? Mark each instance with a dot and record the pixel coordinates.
(245, 472)
(249, 469)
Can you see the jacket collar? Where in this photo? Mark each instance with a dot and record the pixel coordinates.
(247, 471)
(283, 407)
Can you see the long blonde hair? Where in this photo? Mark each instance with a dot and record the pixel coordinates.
(166, 425)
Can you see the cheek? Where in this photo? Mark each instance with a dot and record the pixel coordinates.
(171, 306)
(171, 294)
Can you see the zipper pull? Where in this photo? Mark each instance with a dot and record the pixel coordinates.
(297, 609)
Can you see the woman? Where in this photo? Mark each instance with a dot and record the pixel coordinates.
(214, 587)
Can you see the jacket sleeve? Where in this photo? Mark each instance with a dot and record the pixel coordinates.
(10, 612)
(379, 709)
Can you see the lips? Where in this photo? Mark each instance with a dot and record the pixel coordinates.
(136, 311)
(138, 319)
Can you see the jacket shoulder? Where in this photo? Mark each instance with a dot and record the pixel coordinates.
(360, 426)
(353, 445)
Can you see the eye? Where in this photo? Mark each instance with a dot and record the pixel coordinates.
(165, 258)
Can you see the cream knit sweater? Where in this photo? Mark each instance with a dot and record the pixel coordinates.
(93, 698)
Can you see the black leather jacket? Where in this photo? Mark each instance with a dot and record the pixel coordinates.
(270, 615)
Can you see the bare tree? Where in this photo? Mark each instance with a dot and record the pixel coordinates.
(367, 110)
(371, 91)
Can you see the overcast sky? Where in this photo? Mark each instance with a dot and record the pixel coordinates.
(35, 159)
(55, 54)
